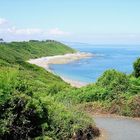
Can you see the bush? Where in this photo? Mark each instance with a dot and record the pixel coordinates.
(114, 82)
(136, 67)
(135, 85)
(26, 114)
(22, 117)
(66, 122)
(134, 105)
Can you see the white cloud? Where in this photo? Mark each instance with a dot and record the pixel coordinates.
(11, 32)
(3, 21)
(31, 31)
(57, 31)
(24, 31)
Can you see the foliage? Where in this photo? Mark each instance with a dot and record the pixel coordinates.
(27, 108)
(37, 104)
(134, 105)
(114, 81)
(114, 92)
(108, 87)
(21, 116)
(136, 67)
(21, 51)
(85, 94)
(26, 114)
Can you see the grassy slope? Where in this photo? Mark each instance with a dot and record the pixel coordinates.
(17, 51)
(35, 86)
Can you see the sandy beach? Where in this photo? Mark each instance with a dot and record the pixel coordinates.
(61, 59)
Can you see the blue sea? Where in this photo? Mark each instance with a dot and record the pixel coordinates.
(119, 57)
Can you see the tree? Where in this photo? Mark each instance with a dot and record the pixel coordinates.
(136, 67)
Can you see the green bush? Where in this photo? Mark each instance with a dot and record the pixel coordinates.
(136, 67)
(22, 117)
(90, 93)
(66, 122)
(134, 87)
(30, 113)
(114, 82)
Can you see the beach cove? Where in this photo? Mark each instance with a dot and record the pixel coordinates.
(118, 57)
(44, 62)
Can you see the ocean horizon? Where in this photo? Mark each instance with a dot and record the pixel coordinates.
(88, 70)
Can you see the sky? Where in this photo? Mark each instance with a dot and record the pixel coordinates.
(89, 21)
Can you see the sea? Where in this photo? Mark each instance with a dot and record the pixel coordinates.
(88, 70)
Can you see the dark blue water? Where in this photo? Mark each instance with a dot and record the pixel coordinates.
(119, 57)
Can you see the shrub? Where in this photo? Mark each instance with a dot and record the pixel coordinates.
(28, 115)
(136, 67)
(135, 85)
(134, 105)
(22, 117)
(66, 122)
(114, 82)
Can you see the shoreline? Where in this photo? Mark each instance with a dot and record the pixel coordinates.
(44, 62)
(74, 83)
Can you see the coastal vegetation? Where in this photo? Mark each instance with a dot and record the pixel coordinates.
(15, 52)
(36, 104)
(136, 66)
(114, 92)
(27, 104)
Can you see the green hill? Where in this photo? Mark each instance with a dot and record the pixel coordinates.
(21, 51)
(27, 105)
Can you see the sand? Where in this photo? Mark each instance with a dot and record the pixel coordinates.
(62, 59)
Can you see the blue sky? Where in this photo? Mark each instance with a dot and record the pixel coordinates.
(94, 21)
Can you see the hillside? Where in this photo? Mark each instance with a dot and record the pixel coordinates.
(36, 104)
(21, 51)
(27, 106)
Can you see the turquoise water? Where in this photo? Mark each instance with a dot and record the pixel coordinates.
(119, 57)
